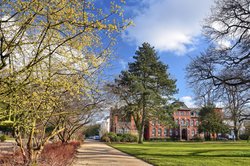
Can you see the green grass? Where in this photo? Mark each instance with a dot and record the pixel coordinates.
(190, 153)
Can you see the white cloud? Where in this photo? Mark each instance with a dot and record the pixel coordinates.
(169, 25)
(123, 64)
(188, 100)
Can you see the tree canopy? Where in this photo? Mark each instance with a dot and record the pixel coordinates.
(211, 121)
(50, 52)
(145, 88)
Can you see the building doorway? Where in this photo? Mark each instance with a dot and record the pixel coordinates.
(184, 134)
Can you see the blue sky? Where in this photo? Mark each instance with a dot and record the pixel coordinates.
(173, 27)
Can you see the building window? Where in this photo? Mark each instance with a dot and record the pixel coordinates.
(193, 132)
(120, 131)
(182, 122)
(197, 122)
(170, 132)
(126, 130)
(165, 132)
(192, 113)
(192, 123)
(176, 113)
(182, 113)
(176, 132)
(187, 122)
(153, 132)
(159, 132)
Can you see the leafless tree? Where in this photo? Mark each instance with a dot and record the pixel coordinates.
(227, 64)
(237, 106)
(224, 67)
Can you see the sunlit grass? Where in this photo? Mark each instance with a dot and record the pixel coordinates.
(187, 153)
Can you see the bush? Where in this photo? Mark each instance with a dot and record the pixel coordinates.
(58, 154)
(118, 138)
(198, 139)
(244, 136)
(129, 138)
(3, 138)
(112, 137)
(168, 139)
(105, 138)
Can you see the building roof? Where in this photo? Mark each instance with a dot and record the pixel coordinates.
(181, 105)
(195, 109)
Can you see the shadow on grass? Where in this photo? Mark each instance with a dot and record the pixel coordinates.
(195, 154)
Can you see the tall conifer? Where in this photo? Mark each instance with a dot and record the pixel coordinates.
(145, 88)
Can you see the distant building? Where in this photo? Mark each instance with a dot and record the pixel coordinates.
(186, 127)
(240, 125)
(105, 126)
(121, 123)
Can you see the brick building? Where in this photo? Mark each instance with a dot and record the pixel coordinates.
(185, 128)
(121, 123)
(186, 125)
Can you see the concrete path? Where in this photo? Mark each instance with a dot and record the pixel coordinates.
(93, 153)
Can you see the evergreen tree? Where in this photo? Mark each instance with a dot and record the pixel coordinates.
(145, 88)
(211, 121)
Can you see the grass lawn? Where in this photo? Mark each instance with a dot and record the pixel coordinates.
(190, 153)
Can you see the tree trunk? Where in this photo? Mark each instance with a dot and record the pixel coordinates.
(141, 135)
(236, 133)
(33, 156)
(141, 132)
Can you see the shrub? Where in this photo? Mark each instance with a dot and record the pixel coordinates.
(198, 139)
(129, 138)
(105, 138)
(168, 139)
(118, 138)
(112, 136)
(244, 136)
(3, 138)
(58, 154)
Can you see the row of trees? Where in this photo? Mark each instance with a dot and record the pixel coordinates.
(50, 54)
(221, 73)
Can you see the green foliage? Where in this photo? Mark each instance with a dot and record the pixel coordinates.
(105, 138)
(244, 136)
(211, 121)
(113, 137)
(129, 138)
(197, 139)
(6, 127)
(3, 138)
(169, 139)
(145, 87)
(91, 130)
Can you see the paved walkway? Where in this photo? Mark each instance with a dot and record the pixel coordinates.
(93, 153)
